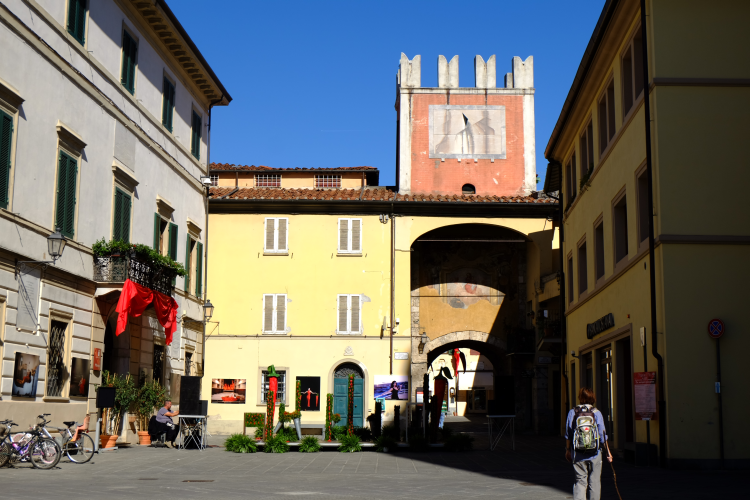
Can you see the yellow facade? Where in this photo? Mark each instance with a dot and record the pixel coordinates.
(699, 99)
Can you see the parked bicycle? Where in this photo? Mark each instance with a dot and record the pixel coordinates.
(32, 445)
(76, 444)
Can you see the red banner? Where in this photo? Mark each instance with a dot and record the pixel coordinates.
(135, 298)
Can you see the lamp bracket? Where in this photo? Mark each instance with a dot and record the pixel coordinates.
(21, 264)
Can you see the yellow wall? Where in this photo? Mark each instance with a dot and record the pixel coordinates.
(289, 179)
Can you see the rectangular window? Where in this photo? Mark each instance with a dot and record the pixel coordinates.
(214, 180)
(642, 207)
(277, 235)
(327, 181)
(268, 180)
(77, 19)
(65, 211)
(161, 239)
(274, 313)
(599, 250)
(56, 359)
(199, 269)
(582, 269)
(570, 279)
(350, 236)
(570, 174)
(121, 219)
(189, 251)
(188, 363)
(158, 363)
(129, 57)
(167, 110)
(632, 72)
(264, 386)
(587, 153)
(349, 317)
(6, 146)
(195, 140)
(621, 229)
(172, 246)
(607, 117)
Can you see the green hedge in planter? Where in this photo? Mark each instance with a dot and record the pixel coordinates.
(255, 419)
(145, 253)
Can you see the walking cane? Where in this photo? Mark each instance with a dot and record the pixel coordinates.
(613, 472)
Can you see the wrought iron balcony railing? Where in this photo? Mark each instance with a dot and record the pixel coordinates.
(118, 269)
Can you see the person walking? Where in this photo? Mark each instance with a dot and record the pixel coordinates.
(585, 438)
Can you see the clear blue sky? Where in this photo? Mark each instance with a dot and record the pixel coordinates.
(314, 83)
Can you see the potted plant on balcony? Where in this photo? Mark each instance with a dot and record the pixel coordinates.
(151, 396)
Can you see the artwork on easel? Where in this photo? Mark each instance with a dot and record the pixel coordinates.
(310, 388)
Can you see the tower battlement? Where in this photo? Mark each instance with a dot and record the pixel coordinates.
(409, 73)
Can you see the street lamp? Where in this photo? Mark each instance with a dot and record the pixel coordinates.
(55, 246)
(208, 310)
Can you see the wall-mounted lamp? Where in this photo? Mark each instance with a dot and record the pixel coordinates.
(573, 353)
(55, 246)
(422, 343)
(208, 310)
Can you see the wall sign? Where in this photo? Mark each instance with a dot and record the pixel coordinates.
(29, 281)
(600, 325)
(98, 359)
(715, 328)
(400, 355)
(645, 395)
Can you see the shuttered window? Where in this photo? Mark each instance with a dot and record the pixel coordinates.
(172, 249)
(129, 55)
(167, 111)
(199, 269)
(276, 235)
(121, 219)
(274, 313)
(6, 145)
(77, 19)
(188, 261)
(349, 315)
(65, 210)
(195, 141)
(350, 235)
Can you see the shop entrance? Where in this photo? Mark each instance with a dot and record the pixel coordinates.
(116, 356)
(341, 393)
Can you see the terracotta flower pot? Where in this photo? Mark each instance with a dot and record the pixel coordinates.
(144, 438)
(131, 419)
(108, 440)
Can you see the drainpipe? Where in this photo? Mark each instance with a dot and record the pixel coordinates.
(651, 256)
(393, 281)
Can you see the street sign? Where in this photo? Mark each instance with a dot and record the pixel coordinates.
(645, 395)
(715, 328)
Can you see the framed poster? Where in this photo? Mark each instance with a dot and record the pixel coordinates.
(395, 387)
(310, 387)
(79, 378)
(228, 390)
(645, 395)
(25, 375)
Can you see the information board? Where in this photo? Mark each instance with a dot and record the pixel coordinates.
(645, 395)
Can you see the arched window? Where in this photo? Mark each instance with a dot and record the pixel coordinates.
(468, 189)
(346, 369)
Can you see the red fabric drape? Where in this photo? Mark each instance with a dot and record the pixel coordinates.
(135, 298)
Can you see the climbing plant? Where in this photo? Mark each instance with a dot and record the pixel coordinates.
(350, 407)
(270, 408)
(329, 417)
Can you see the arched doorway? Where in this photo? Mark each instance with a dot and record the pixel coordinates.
(341, 393)
(116, 356)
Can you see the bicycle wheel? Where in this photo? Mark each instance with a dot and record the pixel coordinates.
(45, 453)
(5, 453)
(80, 451)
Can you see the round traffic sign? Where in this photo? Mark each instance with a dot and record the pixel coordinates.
(715, 328)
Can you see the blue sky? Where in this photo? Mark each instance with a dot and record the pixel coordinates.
(314, 83)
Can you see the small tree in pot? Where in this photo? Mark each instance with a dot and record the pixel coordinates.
(151, 396)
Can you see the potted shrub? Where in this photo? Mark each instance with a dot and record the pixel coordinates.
(151, 396)
(125, 395)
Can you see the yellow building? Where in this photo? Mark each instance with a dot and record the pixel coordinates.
(598, 152)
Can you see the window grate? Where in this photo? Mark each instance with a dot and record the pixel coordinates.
(268, 180)
(327, 181)
(55, 359)
(264, 386)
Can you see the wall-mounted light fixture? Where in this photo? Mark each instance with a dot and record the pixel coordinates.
(55, 246)
(422, 343)
(208, 310)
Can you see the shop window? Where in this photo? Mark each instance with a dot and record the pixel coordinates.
(599, 250)
(621, 229)
(607, 117)
(632, 72)
(582, 269)
(588, 371)
(643, 207)
(56, 359)
(264, 386)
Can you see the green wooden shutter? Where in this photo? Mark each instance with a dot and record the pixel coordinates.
(173, 245)
(157, 231)
(117, 216)
(6, 144)
(77, 19)
(167, 112)
(121, 220)
(187, 264)
(199, 270)
(66, 194)
(195, 145)
(129, 53)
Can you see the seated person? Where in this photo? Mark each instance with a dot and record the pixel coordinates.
(164, 419)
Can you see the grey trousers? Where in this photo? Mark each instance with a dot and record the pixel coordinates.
(588, 478)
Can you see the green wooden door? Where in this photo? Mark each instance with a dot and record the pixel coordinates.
(340, 395)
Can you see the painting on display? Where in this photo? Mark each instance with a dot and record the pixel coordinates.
(310, 387)
(25, 375)
(228, 390)
(393, 387)
(467, 286)
(79, 377)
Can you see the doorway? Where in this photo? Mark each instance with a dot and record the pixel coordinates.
(604, 401)
(116, 356)
(341, 393)
(624, 407)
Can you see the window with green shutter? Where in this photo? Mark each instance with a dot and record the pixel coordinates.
(65, 211)
(195, 143)
(121, 219)
(199, 269)
(173, 245)
(129, 54)
(77, 19)
(167, 111)
(188, 245)
(6, 145)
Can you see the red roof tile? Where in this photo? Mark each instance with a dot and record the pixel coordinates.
(370, 194)
(231, 166)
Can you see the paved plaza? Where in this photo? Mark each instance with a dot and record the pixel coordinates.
(536, 470)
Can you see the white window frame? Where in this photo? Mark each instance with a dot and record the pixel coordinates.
(349, 298)
(274, 321)
(275, 248)
(348, 249)
(282, 373)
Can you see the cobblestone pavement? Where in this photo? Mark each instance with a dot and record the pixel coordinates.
(536, 470)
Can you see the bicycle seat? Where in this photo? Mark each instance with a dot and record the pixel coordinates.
(70, 423)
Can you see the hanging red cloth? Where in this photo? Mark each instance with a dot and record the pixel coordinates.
(135, 298)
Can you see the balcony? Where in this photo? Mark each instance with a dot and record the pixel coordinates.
(136, 266)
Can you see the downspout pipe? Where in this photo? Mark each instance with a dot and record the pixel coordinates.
(393, 283)
(651, 256)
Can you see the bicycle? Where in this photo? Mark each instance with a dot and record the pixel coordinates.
(42, 452)
(78, 447)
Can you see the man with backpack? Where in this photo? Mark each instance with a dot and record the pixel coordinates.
(585, 437)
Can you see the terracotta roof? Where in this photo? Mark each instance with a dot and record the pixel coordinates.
(231, 166)
(370, 194)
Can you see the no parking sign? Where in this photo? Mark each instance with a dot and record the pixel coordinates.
(715, 328)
